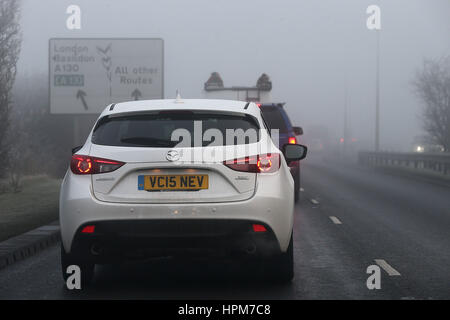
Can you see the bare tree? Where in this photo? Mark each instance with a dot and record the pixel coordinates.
(432, 85)
(10, 40)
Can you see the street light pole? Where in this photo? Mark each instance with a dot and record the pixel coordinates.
(345, 133)
(374, 23)
(377, 98)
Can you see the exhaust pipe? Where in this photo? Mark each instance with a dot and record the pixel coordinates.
(96, 249)
(251, 249)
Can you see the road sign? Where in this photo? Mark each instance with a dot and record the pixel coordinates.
(85, 75)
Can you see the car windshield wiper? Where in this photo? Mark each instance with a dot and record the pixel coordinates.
(149, 142)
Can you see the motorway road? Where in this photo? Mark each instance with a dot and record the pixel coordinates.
(348, 217)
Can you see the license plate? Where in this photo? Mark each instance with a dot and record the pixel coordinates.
(173, 182)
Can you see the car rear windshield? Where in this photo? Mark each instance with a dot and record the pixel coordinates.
(274, 119)
(155, 130)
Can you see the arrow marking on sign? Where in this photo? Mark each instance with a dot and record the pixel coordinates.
(104, 51)
(81, 95)
(136, 94)
(107, 62)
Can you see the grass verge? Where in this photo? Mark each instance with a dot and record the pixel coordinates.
(34, 206)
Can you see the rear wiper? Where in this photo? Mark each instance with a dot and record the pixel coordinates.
(149, 142)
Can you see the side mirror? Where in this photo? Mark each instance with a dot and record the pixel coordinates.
(74, 150)
(294, 152)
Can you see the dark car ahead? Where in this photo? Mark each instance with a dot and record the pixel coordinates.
(277, 118)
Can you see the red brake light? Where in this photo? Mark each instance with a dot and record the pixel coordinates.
(88, 229)
(83, 165)
(292, 140)
(91, 165)
(263, 163)
(259, 228)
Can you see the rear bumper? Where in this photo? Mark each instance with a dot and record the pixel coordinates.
(271, 205)
(132, 239)
(294, 165)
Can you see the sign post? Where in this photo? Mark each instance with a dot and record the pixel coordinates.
(85, 75)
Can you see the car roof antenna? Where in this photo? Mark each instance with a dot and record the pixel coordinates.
(178, 96)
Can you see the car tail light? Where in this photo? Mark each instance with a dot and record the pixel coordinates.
(292, 140)
(92, 165)
(259, 228)
(88, 229)
(263, 163)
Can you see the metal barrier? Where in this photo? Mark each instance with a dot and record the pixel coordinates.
(437, 162)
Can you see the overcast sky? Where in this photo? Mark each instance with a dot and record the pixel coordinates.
(309, 48)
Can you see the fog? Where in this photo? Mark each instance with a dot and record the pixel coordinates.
(314, 51)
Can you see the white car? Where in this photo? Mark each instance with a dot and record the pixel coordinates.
(179, 178)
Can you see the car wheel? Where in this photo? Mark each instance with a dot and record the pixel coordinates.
(297, 195)
(281, 267)
(297, 188)
(86, 268)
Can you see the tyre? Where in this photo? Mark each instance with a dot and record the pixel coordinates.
(297, 188)
(297, 195)
(281, 267)
(86, 268)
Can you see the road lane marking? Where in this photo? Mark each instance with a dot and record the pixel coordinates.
(335, 220)
(387, 267)
(314, 201)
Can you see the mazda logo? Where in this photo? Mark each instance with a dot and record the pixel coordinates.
(172, 155)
